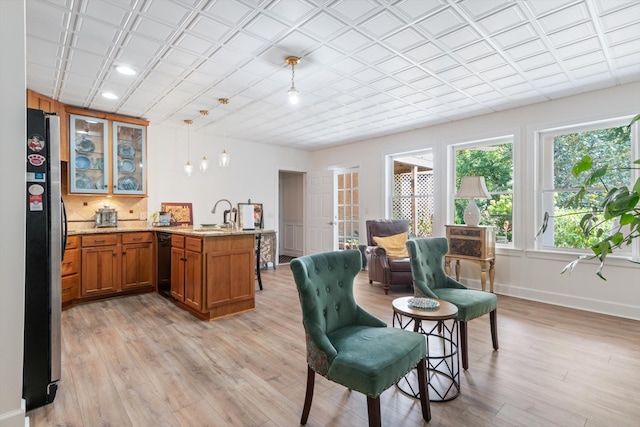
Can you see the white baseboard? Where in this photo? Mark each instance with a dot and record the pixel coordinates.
(571, 301)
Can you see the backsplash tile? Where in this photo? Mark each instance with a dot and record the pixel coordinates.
(130, 210)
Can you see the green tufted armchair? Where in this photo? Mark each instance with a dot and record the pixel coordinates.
(346, 344)
(430, 280)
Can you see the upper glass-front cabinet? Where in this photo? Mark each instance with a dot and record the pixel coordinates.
(88, 161)
(129, 158)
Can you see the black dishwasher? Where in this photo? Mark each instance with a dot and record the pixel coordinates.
(164, 263)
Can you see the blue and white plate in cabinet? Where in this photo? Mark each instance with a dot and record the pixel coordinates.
(126, 151)
(83, 181)
(128, 183)
(126, 166)
(85, 145)
(82, 163)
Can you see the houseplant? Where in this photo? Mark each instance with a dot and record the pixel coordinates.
(620, 205)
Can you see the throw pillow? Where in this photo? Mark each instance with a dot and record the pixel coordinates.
(394, 245)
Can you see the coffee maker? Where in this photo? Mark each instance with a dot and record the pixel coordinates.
(106, 217)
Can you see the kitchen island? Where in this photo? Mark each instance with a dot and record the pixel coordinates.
(212, 270)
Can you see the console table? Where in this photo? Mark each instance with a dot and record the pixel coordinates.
(475, 244)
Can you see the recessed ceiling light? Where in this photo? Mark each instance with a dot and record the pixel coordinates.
(110, 95)
(126, 70)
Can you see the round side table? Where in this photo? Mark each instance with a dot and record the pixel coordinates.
(443, 360)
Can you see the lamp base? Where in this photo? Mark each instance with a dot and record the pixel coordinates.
(472, 214)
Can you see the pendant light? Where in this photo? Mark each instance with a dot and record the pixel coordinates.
(294, 95)
(224, 157)
(204, 163)
(188, 167)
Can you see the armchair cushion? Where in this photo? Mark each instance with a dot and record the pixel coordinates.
(394, 245)
(362, 366)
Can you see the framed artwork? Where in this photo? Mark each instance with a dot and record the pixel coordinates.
(181, 213)
(247, 212)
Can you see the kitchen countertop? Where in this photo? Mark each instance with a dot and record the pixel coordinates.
(189, 231)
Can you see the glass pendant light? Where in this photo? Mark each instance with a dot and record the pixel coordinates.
(188, 167)
(224, 158)
(294, 95)
(204, 163)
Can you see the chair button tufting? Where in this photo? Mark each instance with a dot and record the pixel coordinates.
(328, 290)
(318, 292)
(337, 307)
(340, 284)
(330, 267)
(317, 271)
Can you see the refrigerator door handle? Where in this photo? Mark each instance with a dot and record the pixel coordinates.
(65, 228)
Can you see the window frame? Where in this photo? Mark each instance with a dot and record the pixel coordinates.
(544, 183)
(503, 138)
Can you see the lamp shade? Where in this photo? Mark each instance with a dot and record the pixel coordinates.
(473, 187)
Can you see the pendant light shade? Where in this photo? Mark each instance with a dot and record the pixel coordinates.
(224, 158)
(204, 163)
(294, 95)
(188, 167)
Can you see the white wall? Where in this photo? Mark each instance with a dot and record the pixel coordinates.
(521, 272)
(252, 173)
(12, 209)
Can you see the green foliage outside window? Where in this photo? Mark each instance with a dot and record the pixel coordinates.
(495, 163)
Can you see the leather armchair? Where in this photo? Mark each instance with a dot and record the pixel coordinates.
(382, 268)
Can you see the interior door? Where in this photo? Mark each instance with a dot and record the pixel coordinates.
(321, 235)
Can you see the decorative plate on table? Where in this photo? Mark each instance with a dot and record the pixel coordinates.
(126, 166)
(424, 303)
(100, 182)
(85, 145)
(128, 183)
(82, 163)
(84, 181)
(126, 151)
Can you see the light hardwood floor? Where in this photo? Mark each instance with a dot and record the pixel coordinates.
(141, 361)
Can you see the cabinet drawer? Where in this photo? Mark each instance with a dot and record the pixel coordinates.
(70, 288)
(70, 262)
(465, 232)
(99, 240)
(193, 244)
(177, 241)
(72, 242)
(142, 237)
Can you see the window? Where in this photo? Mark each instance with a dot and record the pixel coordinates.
(607, 143)
(492, 159)
(412, 197)
(348, 218)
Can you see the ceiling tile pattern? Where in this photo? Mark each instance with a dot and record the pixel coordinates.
(368, 67)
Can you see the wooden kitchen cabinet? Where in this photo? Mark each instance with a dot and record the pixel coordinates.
(186, 270)
(70, 269)
(41, 102)
(108, 153)
(113, 263)
(213, 276)
(100, 264)
(137, 260)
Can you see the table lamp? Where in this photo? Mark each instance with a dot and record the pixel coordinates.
(472, 187)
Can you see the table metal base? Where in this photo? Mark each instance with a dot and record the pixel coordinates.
(443, 360)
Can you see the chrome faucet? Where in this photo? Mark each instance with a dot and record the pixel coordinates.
(226, 214)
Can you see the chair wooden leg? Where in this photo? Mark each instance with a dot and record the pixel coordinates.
(386, 289)
(373, 408)
(311, 375)
(463, 345)
(424, 390)
(258, 273)
(494, 328)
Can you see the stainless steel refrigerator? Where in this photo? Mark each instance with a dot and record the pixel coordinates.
(45, 234)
